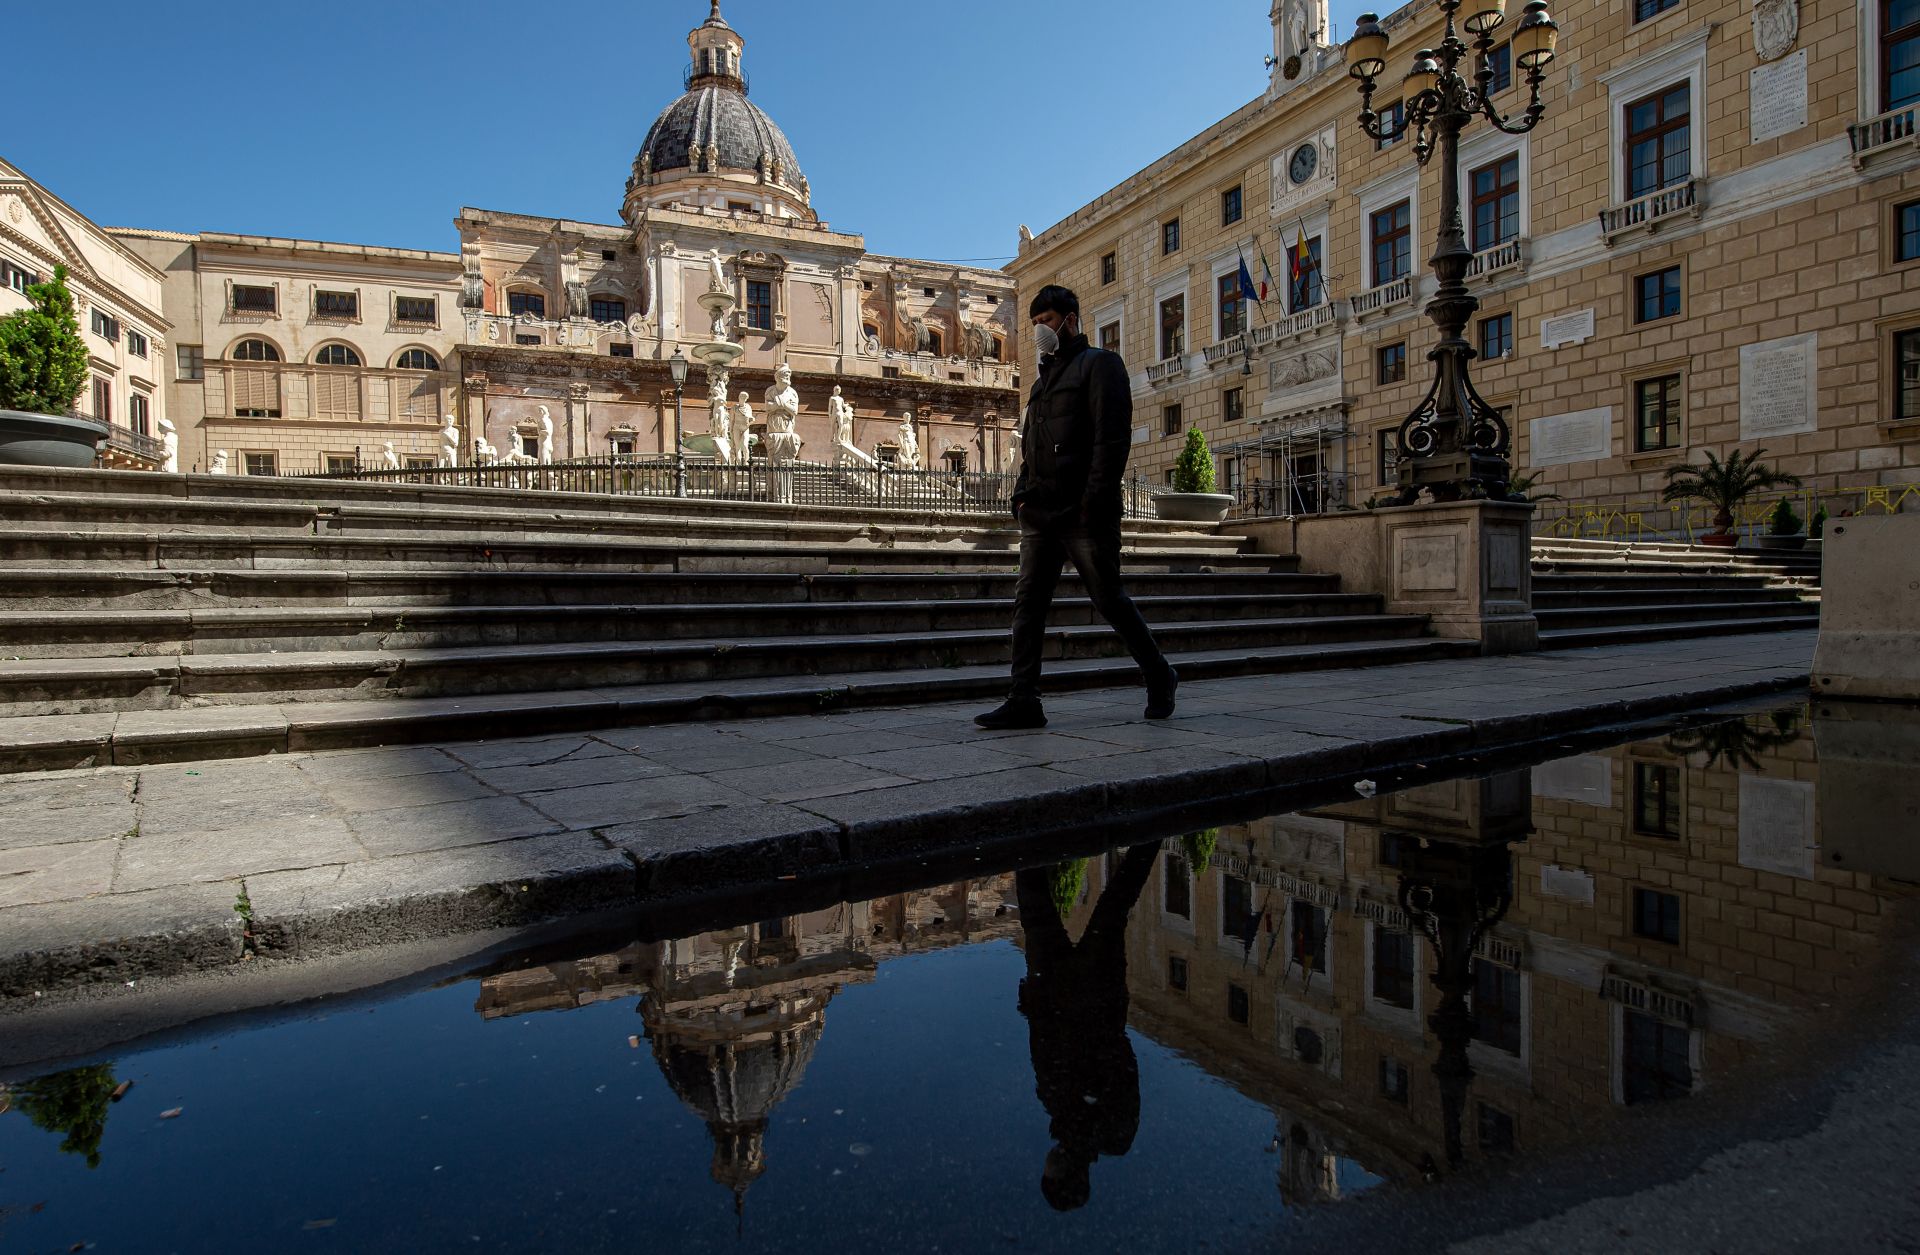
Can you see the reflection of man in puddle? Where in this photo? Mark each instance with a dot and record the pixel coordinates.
(1075, 1000)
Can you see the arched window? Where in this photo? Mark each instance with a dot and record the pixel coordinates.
(532, 304)
(604, 308)
(255, 351)
(336, 355)
(417, 359)
(870, 331)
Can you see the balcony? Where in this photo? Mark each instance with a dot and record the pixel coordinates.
(1649, 212)
(576, 335)
(1228, 349)
(1167, 369)
(1883, 136)
(1386, 297)
(1509, 258)
(979, 372)
(1297, 326)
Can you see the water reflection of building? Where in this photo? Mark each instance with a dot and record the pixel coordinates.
(1667, 915)
(733, 1016)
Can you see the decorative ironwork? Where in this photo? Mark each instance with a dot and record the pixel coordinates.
(1454, 444)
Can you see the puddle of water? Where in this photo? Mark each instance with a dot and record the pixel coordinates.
(1248, 1024)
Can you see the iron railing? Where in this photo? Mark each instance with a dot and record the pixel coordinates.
(126, 440)
(1648, 519)
(1320, 492)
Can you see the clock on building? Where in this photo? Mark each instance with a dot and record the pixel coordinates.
(1305, 159)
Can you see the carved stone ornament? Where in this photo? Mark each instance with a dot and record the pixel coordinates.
(1776, 27)
(1291, 372)
(15, 210)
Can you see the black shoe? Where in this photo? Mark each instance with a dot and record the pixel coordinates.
(1015, 712)
(1160, 695)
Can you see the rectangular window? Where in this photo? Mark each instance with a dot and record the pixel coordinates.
(1906, 396)
(1495, 189)
(416, 309)
(1656, 915)
(1496, 1006)
(17, 277)
(1644, 9)
(1395, 1081)
(1495, 1128)
(1390, 232)
(419, 462)
(1655, 1057)
(532, 340)
(189, 362)
(1173, 327)
(607, 309)
(619, 349)
(1306, 288)
(340, 463)
(254, 300)
(1907, 239)
(103, 399)
(1229, 206)
(1656, 799)
(1656, 295)
(1232, 306)
(1170, 236)
(620, 446)
(1233, 405)
(1109, 268)
(529, 304)
(760, 305)
(1899, 53)
(136, 343)
(105, 325)
(1179, 888)
(1392, 118)
(1308, 935)
(1500, 64)
(1656, 413)
(137, 412)
(1391, 363)
(336, 305)
(1176, 973)
(1496, 336)
(1659, 141)
(1238, 1008)
(1170, 419)
(1389, 457)
(1393, 974)
(262, 463)
(1110, 337)
(1239, 918)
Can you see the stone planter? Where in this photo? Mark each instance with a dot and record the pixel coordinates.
(1192, 507)
(1780, 542)
(48, 439)
(1720, 540)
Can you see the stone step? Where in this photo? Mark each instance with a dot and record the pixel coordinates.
(1554, 598)
(1672, 612)
(48, 742)
(73, 686)
(1624, 634)
(1669, 581)
(77, 589)
(229, 630)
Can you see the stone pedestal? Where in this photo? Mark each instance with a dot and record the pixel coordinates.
(1869, 609)
(1463, 563)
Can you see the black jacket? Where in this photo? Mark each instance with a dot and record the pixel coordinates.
(1077, 434)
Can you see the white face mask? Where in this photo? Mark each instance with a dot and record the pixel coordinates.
(1045, 339)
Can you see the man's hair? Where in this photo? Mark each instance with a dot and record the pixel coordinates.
(1053, 297)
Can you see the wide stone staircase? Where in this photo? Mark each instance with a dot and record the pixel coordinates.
(164, 617)
(1599, 592)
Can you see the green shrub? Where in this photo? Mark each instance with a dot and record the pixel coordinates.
(1194, 471)
(1065, 881)
(43, 360)
(1819, 524)
(1198, 847)
(1783, 521)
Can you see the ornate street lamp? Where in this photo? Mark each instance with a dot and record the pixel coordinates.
(678, 364)
(1454, 444)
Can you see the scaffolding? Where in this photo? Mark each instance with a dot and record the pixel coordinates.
(1293, 465)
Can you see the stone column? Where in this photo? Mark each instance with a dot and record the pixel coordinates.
(577, 442)
(475, 388)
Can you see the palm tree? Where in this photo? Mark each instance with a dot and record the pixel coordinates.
(1520, 488)
(1724, 485)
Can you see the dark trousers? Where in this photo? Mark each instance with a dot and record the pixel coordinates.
(1094, 550)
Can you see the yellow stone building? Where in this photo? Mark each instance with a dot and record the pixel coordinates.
(1709, 242)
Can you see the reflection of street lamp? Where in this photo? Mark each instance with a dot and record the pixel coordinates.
(1453, 444)
(678, 364)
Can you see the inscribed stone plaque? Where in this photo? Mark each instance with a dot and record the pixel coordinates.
(1584, 778)
(1566, 882)
(1141, 435)
(1776, 825)
(1503, 563)
(1566, 329)
(1582, 436)
(1428, 564)
(1777, 98)
(1777, 381)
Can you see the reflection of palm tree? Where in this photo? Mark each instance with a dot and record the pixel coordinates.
(73, 1102)
(1075, 1000)
(1736, 743)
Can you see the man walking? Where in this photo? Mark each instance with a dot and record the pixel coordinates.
(1074, 445)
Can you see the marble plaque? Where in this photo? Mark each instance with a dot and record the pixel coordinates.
(1776, 825)
(1777, 98)
(1777, 381)
(1566, 329)
(1582, 436)
(1428, 564)
(1142, 434)
(1569, 883)
(1584, 778)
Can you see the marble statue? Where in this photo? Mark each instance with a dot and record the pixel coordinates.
(783, 410)
(170, 444)
(483, 453)
(450, 443)
(219, 465)
(720, 417)
(845, 452)
(909, 445)
(743, 423)
(574, 290)
(546, 435)
(717, 272)
(388, 458)
(473, 288)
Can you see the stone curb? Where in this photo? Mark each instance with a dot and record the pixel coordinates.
(518, 882)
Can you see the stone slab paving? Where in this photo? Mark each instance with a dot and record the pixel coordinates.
(118, 872)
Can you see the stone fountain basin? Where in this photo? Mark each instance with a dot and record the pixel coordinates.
(28, 439)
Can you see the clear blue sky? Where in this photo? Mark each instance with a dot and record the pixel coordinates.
(933, 129)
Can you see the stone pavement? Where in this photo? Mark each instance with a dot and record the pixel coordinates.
(121, 872)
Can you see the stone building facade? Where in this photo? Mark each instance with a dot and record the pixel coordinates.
(118, 298)
(1709, 242)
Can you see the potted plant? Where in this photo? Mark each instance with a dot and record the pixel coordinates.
(1817, 526)
(1724, 486)
(1783, 528)
(43, 367)
(1193, 499)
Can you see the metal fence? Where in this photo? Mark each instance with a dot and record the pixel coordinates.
(1652, 520)
(1320, 492)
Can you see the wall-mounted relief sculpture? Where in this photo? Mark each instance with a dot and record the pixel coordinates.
(1302, 368)
(1776, 27)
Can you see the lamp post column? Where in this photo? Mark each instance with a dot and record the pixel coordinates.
(678, 365)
